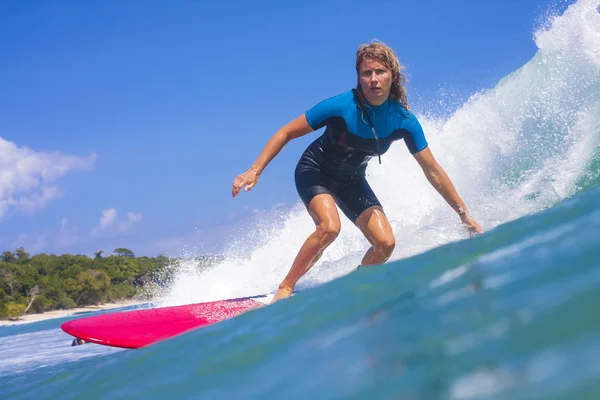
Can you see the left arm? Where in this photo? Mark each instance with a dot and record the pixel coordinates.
(441, 182)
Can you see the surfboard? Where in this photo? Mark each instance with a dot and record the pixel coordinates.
(139, 328)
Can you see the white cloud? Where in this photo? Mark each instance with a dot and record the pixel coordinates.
(108, 218)
(110, 224)
(68, 235)
(39, 199)
(27, 177)
(132, 219)
(31, 243)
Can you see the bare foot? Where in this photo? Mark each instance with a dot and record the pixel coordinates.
(282, 293)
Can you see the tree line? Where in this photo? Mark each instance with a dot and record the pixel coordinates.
(45, 282)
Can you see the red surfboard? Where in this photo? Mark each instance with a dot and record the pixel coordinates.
(135, 329)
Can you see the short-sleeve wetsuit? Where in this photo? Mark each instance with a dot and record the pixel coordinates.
(335, 163)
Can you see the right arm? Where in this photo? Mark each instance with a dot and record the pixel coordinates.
(294, 129)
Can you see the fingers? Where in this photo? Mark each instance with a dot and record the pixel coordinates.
(476, 227)
(237, 187)
(240, 182)
(472, 226)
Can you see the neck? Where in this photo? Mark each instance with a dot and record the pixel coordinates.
(377, 101)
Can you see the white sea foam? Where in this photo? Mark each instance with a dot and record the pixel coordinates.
(512, 150)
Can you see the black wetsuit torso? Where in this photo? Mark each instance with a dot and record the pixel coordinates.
(335, 163)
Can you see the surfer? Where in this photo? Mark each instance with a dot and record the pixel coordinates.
(360, 124)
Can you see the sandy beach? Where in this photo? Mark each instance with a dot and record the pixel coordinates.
(65, 313)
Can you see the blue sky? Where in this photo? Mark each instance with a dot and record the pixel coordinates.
(123, 123)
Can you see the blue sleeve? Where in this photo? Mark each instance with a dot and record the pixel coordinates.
(332, 107)
(415, 140)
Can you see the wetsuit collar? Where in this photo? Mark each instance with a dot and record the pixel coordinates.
(383, 106)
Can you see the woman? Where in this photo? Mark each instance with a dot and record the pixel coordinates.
(360, 124)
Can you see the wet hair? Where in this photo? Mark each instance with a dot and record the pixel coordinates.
(381, 52)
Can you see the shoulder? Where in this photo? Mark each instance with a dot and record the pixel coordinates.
(398, 108)
(410, 123)
(407, 117)
(337, 105)
(340, 100)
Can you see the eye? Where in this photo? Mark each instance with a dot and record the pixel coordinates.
(380, 71)
(366, 73)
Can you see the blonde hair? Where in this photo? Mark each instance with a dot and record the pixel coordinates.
(383, 53)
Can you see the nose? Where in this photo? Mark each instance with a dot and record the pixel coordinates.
(373, 77)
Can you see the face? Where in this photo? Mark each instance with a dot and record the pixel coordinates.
(375, 80)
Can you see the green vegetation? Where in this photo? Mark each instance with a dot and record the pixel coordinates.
(49, 282)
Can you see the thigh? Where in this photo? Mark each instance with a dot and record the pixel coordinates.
(323, 211)
(374, 224)
(356, 197)
(311, 182)
(317, 192)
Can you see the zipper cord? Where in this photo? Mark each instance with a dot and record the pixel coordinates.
(360, 105)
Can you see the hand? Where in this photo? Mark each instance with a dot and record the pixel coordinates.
(249, 178)
(470, 223)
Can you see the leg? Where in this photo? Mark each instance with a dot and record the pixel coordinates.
(375, 226)
(323, 211)
(360, 204)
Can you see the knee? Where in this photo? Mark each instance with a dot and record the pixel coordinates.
(385, 246)
(328, 232)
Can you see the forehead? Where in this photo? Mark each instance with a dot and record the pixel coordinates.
(371, 63)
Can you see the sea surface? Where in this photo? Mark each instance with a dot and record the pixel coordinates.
(509, 314)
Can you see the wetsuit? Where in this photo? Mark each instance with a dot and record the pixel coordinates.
(336, 162)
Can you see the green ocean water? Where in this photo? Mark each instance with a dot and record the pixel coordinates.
(509, 314)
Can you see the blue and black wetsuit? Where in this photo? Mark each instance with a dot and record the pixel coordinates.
(336, 162)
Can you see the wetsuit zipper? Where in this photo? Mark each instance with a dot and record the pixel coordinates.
(360, 106)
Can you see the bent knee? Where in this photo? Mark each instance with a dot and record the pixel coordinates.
(386, 245)
(328, 232)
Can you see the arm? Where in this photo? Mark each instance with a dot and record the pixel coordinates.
(295, 129)
(441, 182)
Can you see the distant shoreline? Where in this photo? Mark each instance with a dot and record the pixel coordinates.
(29, 318)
